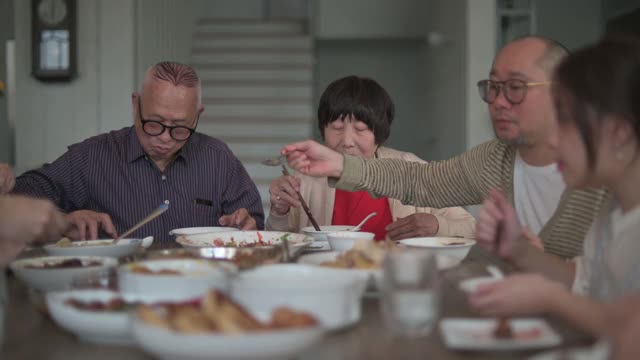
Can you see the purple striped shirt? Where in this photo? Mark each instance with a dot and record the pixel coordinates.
(111, 173)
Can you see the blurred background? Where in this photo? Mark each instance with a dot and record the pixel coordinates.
(264, 64)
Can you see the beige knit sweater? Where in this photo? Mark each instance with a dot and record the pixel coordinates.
(466, 180)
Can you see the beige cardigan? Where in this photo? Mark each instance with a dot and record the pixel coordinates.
(466, 180)
(320, 197)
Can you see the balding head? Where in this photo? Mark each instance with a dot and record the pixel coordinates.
(174, 73)
(550, 53)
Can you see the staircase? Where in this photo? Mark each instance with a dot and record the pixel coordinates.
(256, 87)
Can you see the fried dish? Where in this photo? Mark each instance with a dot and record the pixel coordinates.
(363, 255)
(65, 264)
(217, 313)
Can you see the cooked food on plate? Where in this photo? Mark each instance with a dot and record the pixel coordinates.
(218, 313)
(64, 264)
(141, 269)
(66, 242)
(363, 255)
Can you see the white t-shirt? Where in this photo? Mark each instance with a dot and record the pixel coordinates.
(536, 192)
(610, 267)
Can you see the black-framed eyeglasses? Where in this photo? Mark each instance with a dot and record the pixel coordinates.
(514, 90)
(156, 128)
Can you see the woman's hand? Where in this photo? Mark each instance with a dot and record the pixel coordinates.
(283, 194)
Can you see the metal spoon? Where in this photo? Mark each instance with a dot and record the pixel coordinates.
(357, 228)
(157, 212)
(495, 272)
(277, 161)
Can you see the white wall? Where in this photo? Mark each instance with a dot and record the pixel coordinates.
(369, 18)
(51, 116)
(574, 23)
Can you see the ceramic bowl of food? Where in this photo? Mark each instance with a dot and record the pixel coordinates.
(457, 248)
(243, 258)
(324, 231)
(344, 240)
(55, 273)
(104, 247)
(220, 328)
(95, 316)
(173, 279)
(332, 295)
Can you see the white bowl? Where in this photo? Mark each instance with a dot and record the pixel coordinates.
(100, 327)
(225, 239)
(374, 276)
(51, 279)
(195, 279)
(471, 285)
(333, 296)
(200, 230)
(440, 247)
(324, 230)
(344, 240)
(124, 247)
(275, 344)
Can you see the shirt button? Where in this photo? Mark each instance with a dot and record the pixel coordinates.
(166, 202)
(164, 177)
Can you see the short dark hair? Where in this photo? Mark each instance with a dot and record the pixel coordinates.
(362, 98)
(599, 80)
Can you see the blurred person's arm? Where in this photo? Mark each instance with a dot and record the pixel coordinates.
(25, 221)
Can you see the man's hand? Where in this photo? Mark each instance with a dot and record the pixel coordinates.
(313, 159)
(85, 225)
(239, 219)
(414, 225)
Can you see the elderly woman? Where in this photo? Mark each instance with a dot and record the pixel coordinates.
(354, 117)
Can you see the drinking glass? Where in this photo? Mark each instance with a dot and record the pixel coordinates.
(410, 294)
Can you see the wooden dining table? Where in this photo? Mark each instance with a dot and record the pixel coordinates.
(31, 335)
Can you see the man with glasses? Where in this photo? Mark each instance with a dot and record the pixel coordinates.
(520, 161)
(111, 181)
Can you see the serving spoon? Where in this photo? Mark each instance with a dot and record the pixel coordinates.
(359, 226)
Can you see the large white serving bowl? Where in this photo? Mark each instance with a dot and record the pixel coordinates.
(249, 238)
(261, 345)
(52, 279)
(439, 245)
(444, 262)
(200, 230)
(344, 240)
(374, 276)
(195, 279)
(333, 296)
(103, 247)
(100, 327)
(324, 231)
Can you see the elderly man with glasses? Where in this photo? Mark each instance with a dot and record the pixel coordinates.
(111, 181)
(520, 161)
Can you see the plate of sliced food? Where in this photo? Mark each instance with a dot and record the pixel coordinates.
(101, 247)
(217, 327)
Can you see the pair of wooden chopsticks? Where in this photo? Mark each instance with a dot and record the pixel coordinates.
(285, 172)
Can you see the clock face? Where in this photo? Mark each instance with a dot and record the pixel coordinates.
(52, 12)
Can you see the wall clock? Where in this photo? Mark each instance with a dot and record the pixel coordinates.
(54, 39)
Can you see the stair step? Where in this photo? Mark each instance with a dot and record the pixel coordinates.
(254, 120)
(247, 76)
(255, 150)
(254, 58)
(300, 131)
(250, 27)
(214, 90)
(297, 42)
(273, 100)
(301, 110)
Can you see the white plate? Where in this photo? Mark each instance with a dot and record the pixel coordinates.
(250, 237)
(124, 247)
(51, 279)
(195, 279)
(477, 334)
(439, 245)
(324, 230)
(99, 327)
(333, 296)
(200, 230)
(276, 344)
(597, 351)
